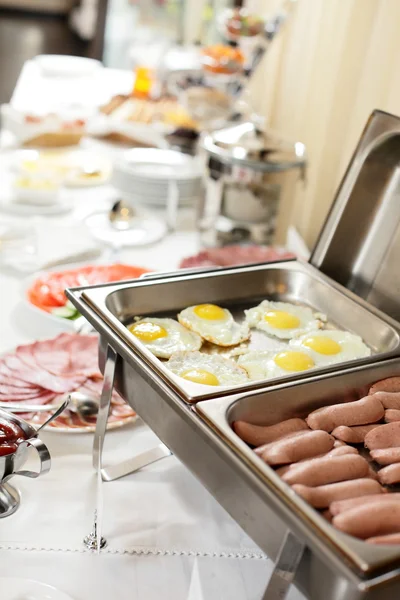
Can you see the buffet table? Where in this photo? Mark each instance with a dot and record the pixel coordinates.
(167, 537)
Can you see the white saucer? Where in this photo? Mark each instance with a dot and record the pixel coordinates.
(145, 230)
(18, 208)
(12, 588)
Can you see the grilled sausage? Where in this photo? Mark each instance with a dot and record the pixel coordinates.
(344, 505)
(385, 436)
(391, 384)
(297, 447)
(370, 520)
(257, 434)
(392, 415)
(386, 456)
(329, 469)
(361, 412)
(324, 495)
(352, 435)
(390, 475)
(392, 538)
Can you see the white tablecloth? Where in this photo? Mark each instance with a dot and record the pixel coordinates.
(167, 537)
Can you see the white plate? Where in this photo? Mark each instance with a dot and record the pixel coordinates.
(58, 65)
(146, 230)
(12, 588)
(16, 208)
(156, 164)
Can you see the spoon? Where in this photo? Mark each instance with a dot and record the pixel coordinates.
(121, 215)
(82, 404)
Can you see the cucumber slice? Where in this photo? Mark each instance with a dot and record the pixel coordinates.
(65, 312)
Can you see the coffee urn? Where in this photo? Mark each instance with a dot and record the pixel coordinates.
(248, 169)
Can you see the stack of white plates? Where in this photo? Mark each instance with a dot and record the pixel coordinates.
(144, 175)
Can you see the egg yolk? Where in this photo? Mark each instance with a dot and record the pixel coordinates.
(322, 345)
(200, 376)
(147, 332)
(210, 312)
(293, 361)
(281, 319)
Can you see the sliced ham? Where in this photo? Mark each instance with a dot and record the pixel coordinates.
(41, 377)
(68, 355)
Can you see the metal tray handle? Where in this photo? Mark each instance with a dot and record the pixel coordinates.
(44, 456)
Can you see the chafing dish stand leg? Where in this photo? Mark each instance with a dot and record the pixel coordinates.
(132, 464)
(285, 568)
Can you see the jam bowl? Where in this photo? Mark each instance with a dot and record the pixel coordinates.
(16, 437)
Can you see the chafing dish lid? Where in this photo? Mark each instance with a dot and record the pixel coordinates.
(246, 144)
(359, 244)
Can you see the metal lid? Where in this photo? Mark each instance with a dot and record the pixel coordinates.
(359, 245)
(248, 145)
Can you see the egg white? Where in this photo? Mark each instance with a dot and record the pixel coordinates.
(178, 338)
(226, 371)
(222, 332)
(351, 346)
(308, 320)
(260, 364)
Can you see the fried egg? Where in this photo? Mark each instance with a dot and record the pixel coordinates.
(283, 320)
(265, 364)
(164, 337)
(329, 347)
(214, 324)
(206, 369)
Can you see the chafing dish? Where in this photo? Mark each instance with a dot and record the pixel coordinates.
(334, 567)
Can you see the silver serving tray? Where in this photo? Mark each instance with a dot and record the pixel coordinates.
(236, 289)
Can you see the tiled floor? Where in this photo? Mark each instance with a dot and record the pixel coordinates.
(22, 36)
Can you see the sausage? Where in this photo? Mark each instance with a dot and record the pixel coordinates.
(386, 456)
(329, 469)
(324, 495)
(361, 412)
(370, 520)
(339, 443)
(344, 505)
(389, 399)
(260, 449)
(352, 435)
(298, 447)
(391, 384)
(392, 538)
(341, 451)
(385, 436)
(389, 475)
(257, 434)
(392, 415)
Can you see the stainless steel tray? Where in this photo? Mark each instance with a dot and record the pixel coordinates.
(298, 400)
(238, 288)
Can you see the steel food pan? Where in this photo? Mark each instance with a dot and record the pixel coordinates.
(203, 440)
(236, 289)
(286, 401)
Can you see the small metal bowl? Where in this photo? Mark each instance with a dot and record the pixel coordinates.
(11, 464)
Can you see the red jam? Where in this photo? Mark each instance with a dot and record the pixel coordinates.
(11, 435)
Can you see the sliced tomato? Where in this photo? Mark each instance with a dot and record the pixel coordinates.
(47, 292)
